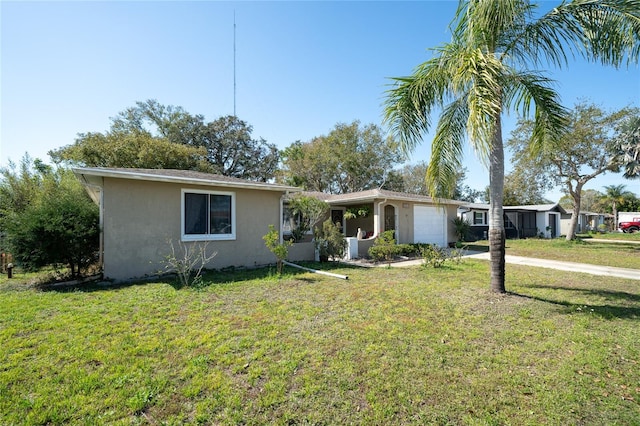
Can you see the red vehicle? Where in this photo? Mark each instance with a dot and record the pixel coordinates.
(630, 226)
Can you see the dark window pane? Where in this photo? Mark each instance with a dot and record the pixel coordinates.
(195, 213)
(478, 218)
(220, 214)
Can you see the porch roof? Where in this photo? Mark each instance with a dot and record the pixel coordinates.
(373, 195)
(525, 208)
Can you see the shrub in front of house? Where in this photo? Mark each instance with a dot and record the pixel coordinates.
(384, 247)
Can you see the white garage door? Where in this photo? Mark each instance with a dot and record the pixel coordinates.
(429, 225)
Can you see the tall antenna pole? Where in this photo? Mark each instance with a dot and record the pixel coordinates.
(234, 62)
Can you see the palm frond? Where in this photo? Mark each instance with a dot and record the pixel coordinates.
(526, 89)
(410, 101)
(599, 30)
(447, 149)
(485, 23)
(484, 99)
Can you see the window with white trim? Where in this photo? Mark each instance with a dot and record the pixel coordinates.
(479, 218)
(208, 215)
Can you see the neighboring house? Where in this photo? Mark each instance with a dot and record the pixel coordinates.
(141, 210)
(519, 221)
(587, 221)
(413, 218)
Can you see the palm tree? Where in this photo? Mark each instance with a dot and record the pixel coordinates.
(614, 195)
(628, 146)
(482, 72)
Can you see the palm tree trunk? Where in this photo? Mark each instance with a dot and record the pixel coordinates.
(496, 222)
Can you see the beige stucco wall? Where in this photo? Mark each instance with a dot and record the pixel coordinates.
(405, 224)
(452, 213)
(141, 216)
(301, 251)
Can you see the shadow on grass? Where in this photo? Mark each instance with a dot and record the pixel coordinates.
(476, 248)
(622, 246)
(608, 311)
(209, 277)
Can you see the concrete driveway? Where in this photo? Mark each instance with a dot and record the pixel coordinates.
(607, 271)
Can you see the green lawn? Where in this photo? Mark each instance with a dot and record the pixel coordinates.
(623, 254)
(387, 346)
(619, 236)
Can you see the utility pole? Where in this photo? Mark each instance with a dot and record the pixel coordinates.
(234, 62)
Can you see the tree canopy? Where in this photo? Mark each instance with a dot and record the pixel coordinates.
(350, 158)
(151, 135)
(523, 186)
(585, 151)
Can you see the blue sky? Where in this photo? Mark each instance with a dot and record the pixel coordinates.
(301, 67)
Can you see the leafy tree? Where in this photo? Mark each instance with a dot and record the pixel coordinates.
(350, 158)
(151, 135)
(167, 122)
(628, 147)
(589, 201)
(580, 155)
(131, 150)
(20, 185)
(480, 74)
(413, 178)
(58, 224)
(524, 187)
(464, 192)
(414, 182)
(306, 212)
(232, 152)
(393, 181)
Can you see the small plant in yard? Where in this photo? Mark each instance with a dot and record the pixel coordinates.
(433, 255)
(187, 262)
(329, 241)
(279, 249)
(384, 247)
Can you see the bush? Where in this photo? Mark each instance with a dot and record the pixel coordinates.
(329, 240)
(384, 247)
(57, 225)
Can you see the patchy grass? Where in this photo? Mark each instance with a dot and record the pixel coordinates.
(388, 346)
(619, 236)
(622, 255)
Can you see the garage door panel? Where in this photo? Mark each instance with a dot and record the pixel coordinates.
(429, 225)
